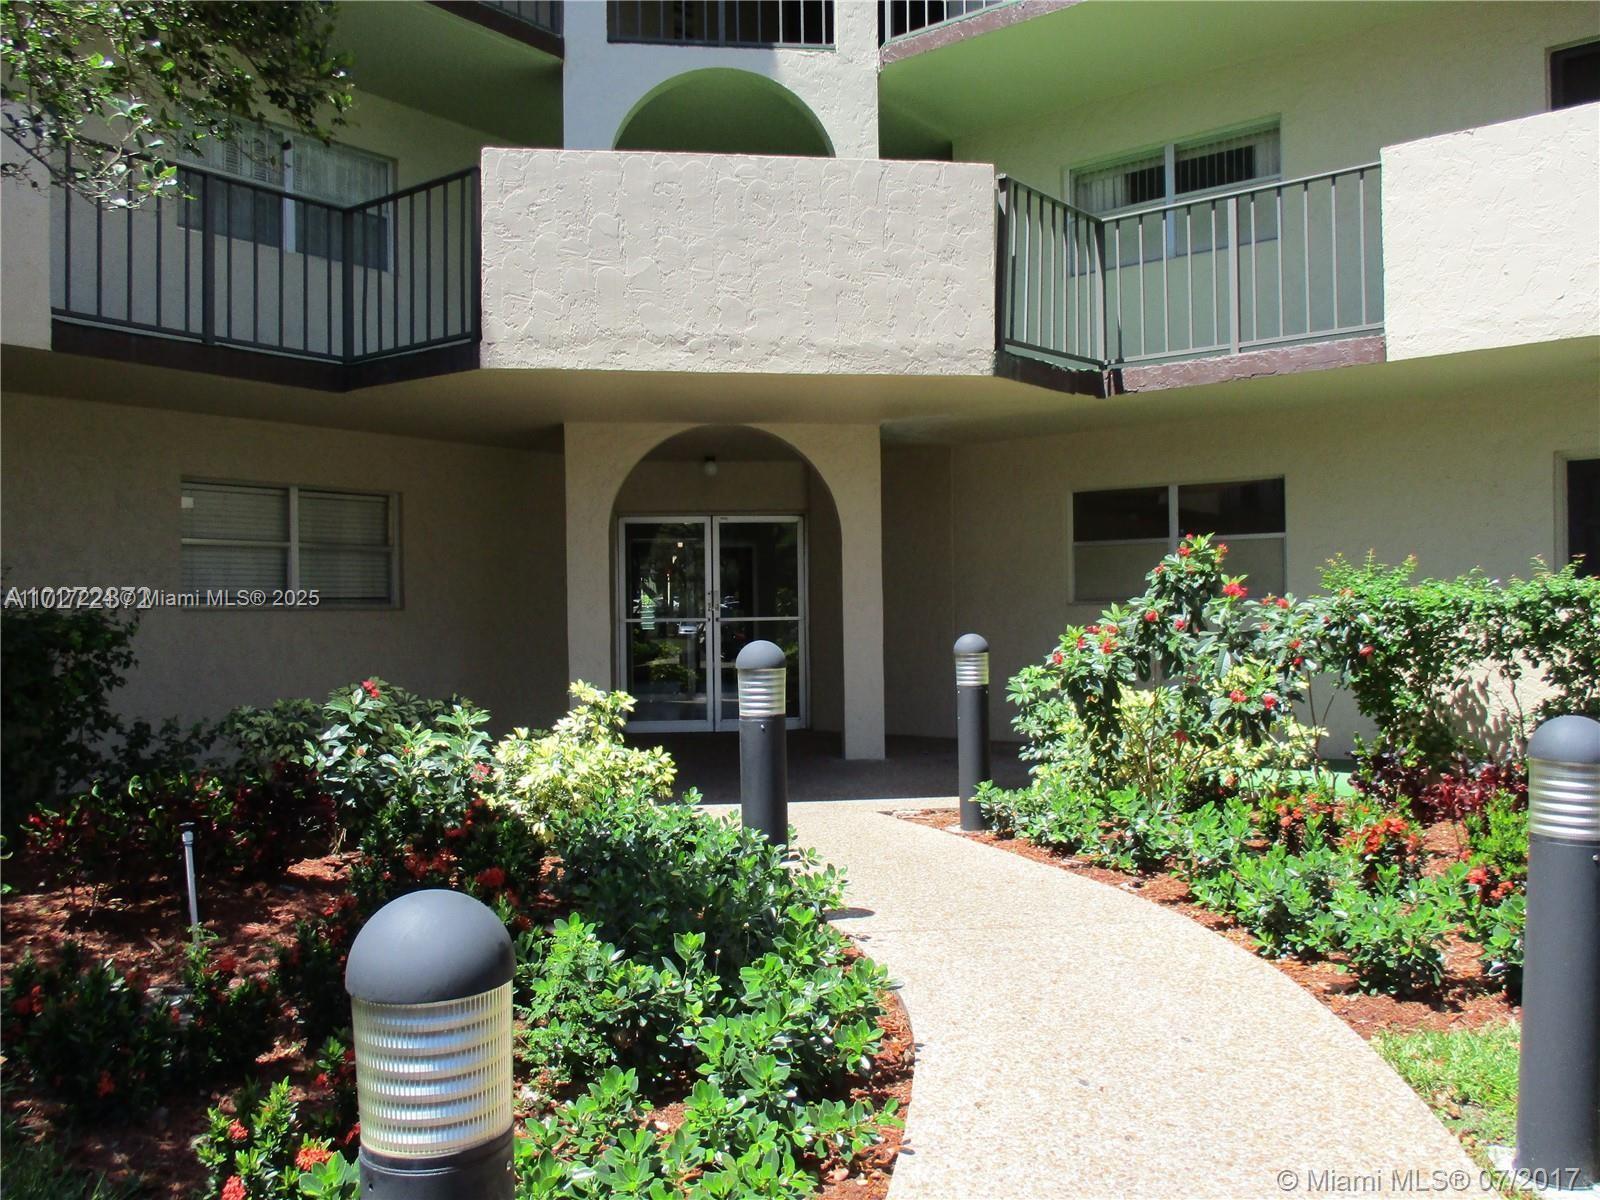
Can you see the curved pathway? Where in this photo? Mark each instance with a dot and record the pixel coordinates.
(1075, 1040)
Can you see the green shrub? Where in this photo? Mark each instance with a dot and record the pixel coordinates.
(1394, 934)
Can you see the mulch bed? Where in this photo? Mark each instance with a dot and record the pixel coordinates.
(145, 928)
(1468, 998)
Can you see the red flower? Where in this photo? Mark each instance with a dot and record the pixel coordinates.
(1282, 603)
(370, 687)
(106, 1085)
(1180, 624)
(1294, 644)
(1082, 641)
(1184, 551)
(1236, 591)
(1236, 696)
(1161, 569)
(1091, 629)
(1108, 645)
(480, 772)
(1151, 616)
(237, 1132)
(321, 1081)
(491, 878)
(227, 964)
(234, 1189)
(1055, 659)
(1297, 661)
(311, 1156)
(1180, 737)
(354, 1135)
(1269, 701)
(1365, 652)
(1477, 877)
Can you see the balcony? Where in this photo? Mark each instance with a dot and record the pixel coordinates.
(234, 266)
(1291, 262)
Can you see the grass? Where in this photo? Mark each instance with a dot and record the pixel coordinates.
(1467, 1076)
(36, 1171)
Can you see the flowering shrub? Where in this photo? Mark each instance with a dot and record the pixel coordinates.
(1232, 668)
(1389, 842)
(258, 1152)
(107, 1045)
(310, 969)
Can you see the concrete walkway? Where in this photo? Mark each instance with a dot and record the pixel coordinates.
(1075, 1040)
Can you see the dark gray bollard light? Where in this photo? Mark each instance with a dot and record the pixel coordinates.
(1558, 1089)
(763, 751)
(429, 979)
(972, 726)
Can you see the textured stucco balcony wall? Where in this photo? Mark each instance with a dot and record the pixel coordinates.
(1492, 235)
(598, 260)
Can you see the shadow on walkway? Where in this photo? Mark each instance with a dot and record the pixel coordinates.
(915, 767)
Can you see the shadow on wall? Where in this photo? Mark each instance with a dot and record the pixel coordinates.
(720, 110)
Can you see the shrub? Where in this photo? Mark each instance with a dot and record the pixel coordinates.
(37, 1171)
(1394, 935)
(258, 1152)
(1232, 667)
(310, 969)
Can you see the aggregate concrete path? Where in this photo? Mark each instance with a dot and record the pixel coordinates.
(1076, 1040)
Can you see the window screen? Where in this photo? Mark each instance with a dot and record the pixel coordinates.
(1583, 514)
(1120, 535)
(242, 536)
(1575, 75)
(1198, 166)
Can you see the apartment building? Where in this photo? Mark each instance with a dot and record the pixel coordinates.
(610, 336)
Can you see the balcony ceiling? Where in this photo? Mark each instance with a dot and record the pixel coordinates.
(429, 58)
(1091, 51)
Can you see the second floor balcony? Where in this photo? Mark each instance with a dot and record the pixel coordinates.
(563, 260)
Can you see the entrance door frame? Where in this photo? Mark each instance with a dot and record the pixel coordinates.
(713, 523)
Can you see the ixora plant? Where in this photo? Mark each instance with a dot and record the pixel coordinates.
(1182, 693)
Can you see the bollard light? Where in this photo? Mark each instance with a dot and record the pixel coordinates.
(1558, 1087)
(429, 979)
(972, 726)
(763, 753)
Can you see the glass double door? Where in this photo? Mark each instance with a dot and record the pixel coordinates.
(694, 592)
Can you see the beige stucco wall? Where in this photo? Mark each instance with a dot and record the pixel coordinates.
(678, 262)
(598, 460)
(1440, 68)
(1492, 235)
(1459, 477)
(604, 81)
(90, 496)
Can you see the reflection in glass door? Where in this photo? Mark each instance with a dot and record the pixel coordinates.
(696, 591)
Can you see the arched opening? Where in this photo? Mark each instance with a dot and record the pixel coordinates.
(724, 535)
(719, 110)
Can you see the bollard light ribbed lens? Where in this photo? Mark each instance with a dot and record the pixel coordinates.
(972, 670)
(1562, 799)
(763, 692)
(431, 1079)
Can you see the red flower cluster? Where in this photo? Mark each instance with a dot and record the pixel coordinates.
(370, 687)
(30, 1005)
(312, 1156)
(1235, 591)
(105, 1086)
(419, 866)
(480, 772)
(1151, 616)
(234, 1189)
(237, 1132)
(228, 964)
(1180, 624)
(491, 879)
(1237, 696)
(1269, 702)
(1056, 658)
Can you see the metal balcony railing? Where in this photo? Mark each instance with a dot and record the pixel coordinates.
(541, 14)
(1295, 261)
(242, 264)
(899, 18)
(794, 23)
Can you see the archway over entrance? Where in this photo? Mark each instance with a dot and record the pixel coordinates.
(724, 535)
(600, 458)
(720, 110)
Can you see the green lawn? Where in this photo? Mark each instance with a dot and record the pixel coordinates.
(1468, 1077)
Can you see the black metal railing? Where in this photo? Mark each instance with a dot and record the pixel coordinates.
(899, 18)
(235, 263)
(797, 23)
(1292, 261)
(541, 14)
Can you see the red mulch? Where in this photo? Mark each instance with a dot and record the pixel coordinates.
(1467, 999)
(145, 928)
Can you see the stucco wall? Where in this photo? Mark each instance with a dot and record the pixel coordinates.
(677, 262)
(90, 496)
(1450, 476)
(1440, 68)
(603, 82)
(1492, 235)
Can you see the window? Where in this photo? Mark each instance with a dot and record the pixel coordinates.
(244, 536)
(1118, 536)
(335, 176)
(1575, 75)
(1583, 514)
(1179, 169)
